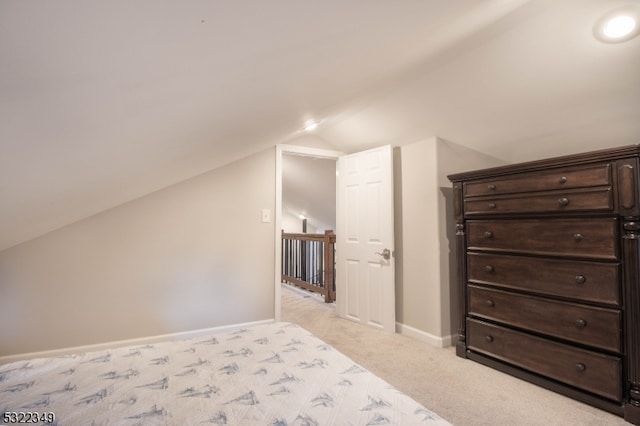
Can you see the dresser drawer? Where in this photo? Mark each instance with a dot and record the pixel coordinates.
(580, 200)
(586, 281)
(593, 326)
(590, 238)
(591, 371)
(577, 177)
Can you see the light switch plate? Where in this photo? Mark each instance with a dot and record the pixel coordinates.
(266, 215)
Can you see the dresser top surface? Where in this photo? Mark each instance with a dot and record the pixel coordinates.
(567, 160)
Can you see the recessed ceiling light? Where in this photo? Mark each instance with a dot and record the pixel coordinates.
(619, 25)
(310, 125)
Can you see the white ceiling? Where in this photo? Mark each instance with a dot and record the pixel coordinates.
(105, 101)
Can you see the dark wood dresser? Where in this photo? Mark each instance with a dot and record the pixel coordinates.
(549, 271)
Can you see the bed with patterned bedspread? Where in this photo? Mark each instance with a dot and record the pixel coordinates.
(270, 374)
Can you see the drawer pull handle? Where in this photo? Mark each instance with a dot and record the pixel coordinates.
(489, 268)
(562, 179)
(488, 234)
(488, 338)
(492, 206)
(580, 367)
(577, 237)
(580, 323)
(491, 187)
(563, 201)
(490, 303)
(581, 279)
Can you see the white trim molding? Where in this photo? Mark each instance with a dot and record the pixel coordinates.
(309, 152)
(130, 342)
(423, 336)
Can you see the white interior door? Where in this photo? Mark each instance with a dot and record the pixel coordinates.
(364, 229)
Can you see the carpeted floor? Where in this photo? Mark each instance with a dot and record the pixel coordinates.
(459, 390)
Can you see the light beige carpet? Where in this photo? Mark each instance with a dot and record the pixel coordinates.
(459, 390)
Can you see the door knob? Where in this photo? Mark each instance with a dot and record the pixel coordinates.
(386, 254)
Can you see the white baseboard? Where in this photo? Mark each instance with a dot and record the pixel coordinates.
(130, 342)
(439, 342)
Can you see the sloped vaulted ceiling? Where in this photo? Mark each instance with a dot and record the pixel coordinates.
(104, 101)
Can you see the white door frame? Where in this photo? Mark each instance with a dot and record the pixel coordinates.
(281, 150)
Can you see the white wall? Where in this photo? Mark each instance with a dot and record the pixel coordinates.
(424, 226)
(452, 158)
(194, 255)
(292, 223)
(415, 230)
(175, 260)
(309, 190)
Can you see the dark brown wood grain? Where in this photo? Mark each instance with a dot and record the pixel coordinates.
(558, 179)
(627, 186)
(589, 325)
(567, 161)
(597, 200)
(461, 273)
(631, 242)
(595, 372)
(549, 252)
(588, 281)
(587, 238)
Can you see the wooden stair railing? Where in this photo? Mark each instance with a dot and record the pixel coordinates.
(308, 261)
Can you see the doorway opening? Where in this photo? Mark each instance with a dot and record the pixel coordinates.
(305, 209)
(364, 234)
